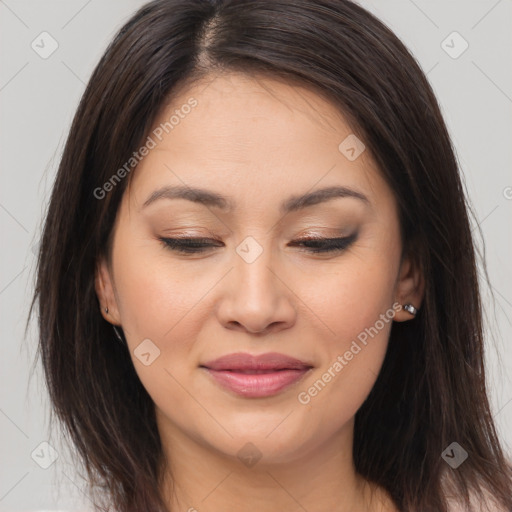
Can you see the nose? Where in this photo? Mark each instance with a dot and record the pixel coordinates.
(256, 297)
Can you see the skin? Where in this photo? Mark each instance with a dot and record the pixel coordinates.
(257, 141)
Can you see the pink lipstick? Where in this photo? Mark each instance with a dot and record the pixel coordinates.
(256, 376)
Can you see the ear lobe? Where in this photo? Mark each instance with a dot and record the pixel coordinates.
(103, 285)
(410, 287)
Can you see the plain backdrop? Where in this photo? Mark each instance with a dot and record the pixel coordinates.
(38, 97)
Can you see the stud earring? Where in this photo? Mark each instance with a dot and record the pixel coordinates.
(106, 311)
(410, 309)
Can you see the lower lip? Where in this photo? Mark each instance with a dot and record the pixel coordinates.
(256, 385)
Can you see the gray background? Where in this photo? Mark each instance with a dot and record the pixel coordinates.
(38, 98)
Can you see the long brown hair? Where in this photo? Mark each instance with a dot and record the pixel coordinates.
(431, 390)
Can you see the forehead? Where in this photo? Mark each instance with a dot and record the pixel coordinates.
(238, 104)
(254, 133)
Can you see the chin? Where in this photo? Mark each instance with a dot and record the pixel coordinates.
(271, 438)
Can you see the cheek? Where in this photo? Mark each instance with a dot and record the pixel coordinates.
(156, 302)
(352, 357)
(154, 293)
(354, 296)
(356, 306)
(163, 300)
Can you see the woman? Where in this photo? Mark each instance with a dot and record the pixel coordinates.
(256, 284)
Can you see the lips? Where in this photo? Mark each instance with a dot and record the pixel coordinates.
(256, 376)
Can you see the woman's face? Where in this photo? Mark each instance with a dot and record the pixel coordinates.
(258, 288)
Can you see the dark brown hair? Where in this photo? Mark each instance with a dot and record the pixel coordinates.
(431, 390)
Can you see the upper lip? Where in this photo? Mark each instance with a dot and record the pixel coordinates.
(269, 361)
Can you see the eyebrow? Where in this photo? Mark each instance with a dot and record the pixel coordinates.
(214, 199)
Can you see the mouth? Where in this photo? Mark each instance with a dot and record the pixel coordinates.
(256, 376)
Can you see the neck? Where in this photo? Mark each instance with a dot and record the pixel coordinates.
(321, 479)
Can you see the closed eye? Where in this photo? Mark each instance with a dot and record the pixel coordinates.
(323, 245)
(313, 245)
(188, 245)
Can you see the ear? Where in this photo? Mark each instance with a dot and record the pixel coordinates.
(410, 287)
(103, 284)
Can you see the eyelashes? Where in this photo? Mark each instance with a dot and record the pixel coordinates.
(189, 245)
(325, 245)
(312, 245)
